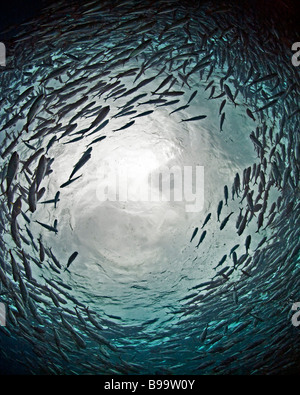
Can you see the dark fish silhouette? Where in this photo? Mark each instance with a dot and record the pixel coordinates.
(71, 259)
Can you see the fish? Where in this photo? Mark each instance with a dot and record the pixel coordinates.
(48, 227)
(17, 207)
(126, 113)
(143, 114)
(93, 320)
(206, 220)
(220, 205)
(135, 99)
(27, 267)
(240, 327)
(97, 140)
(65, 184)
(256, 142)
(82, 161)
(242, 225)
(222, 273)
(194, 234)
(100, 127)
(233, 249)
(212, 92)
(11, 146)
(32, 197)
(33, 110)
(237, 183)
(264, 78)
(235, 260)
(55, 73)
(71, 259)
(209, 85)
(197, 118)
(100, 117)
(15, 267)
(69, 129)
(29, 145)
(202, 237)
(221, 261)
(140, 48)
(222, 106)
(226, 195)
(125, 126)
(41, 250)
(224, 222)
(198, 67)
(154, 101)
(260, 221)
(179, 109)
(23, 290)
(229, 94)
(272, 208)
(250, 201)
(250, 114)
(40, 171)
(12, 170)
(163, 83)
(192, 97)
(204, 334)
(4, 280)
(170, 93)
(266, 106)
(55, 200)
(247, 243)
(263, 240)
(126, 73)
(54, 259)
(27, 163)
(222, 121)
(169, 103)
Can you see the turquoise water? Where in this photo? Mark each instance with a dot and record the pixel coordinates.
(141, 297)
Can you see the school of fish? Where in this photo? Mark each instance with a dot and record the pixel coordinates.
(87, 72)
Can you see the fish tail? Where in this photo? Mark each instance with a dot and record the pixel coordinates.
(25, 127)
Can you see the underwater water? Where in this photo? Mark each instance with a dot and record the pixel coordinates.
(94, 286)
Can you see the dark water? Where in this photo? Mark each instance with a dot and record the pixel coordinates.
(140, 297)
